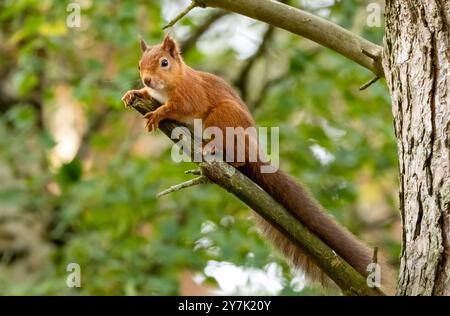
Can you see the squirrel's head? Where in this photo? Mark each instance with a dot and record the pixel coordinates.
(161, 65)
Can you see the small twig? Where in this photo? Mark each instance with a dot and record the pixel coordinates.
(375, 255)
(187, 184)
(194, 3)
(194, 171)
(370, 55)
(369, 83)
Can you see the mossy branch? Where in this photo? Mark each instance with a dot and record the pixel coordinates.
(232, 180)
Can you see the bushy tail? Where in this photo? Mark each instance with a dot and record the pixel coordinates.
(297, 200)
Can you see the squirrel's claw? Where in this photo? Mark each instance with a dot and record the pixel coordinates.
(128, 98)
(152, 121)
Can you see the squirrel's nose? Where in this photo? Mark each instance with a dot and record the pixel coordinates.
(147, 81)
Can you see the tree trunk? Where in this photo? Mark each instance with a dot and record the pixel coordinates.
(416, 61)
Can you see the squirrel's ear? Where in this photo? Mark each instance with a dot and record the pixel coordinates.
(144, 45)
(170, 46)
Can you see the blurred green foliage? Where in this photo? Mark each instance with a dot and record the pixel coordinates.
(98, 209)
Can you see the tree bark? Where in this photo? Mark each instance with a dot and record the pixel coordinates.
(416, 62)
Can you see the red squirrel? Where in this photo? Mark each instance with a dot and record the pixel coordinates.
(187, 94)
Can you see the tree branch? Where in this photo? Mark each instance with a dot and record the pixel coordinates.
(183, 185)
(241, 81)
(181, 15)
(266, 88)
(201, 29)
(242, 78)
(231, 179)
(369, 83)
(305, 24)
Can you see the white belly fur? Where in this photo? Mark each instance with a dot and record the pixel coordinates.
(160, 96)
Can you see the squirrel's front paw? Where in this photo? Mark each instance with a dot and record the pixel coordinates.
(129, 97)
(153, 120)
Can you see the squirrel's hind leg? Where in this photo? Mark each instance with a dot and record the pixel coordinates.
(230, 118)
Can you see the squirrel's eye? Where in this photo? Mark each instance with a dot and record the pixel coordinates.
(164, 63)
(139, 68)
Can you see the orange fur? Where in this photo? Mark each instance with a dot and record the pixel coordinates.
(188, 94)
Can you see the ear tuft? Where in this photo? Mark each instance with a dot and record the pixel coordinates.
(170, 46)
(144, 45)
